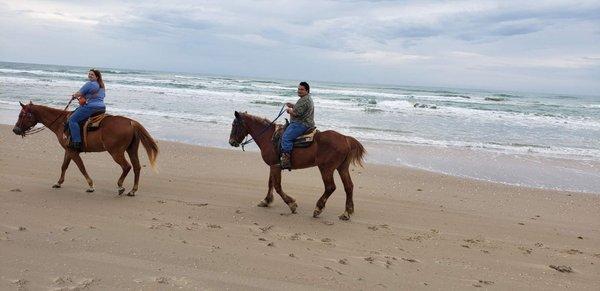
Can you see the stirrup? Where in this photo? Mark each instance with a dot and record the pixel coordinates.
(285, 162)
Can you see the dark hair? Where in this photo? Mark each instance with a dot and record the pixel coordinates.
(99, 76)
(306, 86)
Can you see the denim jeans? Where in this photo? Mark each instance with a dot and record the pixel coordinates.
(294, 130)
(80, 114)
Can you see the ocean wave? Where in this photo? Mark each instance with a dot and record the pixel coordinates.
(509, 148)
(497, 99)
(264, 102)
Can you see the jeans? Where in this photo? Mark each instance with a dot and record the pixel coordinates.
(294, 130)
(80, 114)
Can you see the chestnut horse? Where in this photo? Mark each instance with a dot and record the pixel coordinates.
(330, 151)
(116, 135)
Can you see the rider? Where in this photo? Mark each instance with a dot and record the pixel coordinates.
(302, 115)
(91, 100)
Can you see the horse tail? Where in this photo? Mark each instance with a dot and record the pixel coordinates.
(147, 141)
(357, 152)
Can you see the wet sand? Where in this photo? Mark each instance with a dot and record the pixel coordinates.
(195, 225)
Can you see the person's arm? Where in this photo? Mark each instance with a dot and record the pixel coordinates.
(291, 112)
(298, 109)
(84, 90)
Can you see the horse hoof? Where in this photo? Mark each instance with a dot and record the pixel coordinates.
(293, 206)
(345, 216)
(131, 194)
(120, 190)
(56, 186)
(90, 190)
(263, 203)
(317, 212)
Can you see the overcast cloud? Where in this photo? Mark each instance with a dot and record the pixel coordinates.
(543, 46)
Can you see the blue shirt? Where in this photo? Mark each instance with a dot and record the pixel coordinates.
(93, 94)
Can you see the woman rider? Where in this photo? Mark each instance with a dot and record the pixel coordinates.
(91, 100)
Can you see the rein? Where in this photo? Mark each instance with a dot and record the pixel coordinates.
(36, 130)
(264, 129)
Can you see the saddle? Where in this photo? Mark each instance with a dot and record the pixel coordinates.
(91, 124)
(303, 141)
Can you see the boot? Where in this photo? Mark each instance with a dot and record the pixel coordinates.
(286, 161)
(76, 145)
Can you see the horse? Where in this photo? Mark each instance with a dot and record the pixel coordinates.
(329, 151)
(116, 135)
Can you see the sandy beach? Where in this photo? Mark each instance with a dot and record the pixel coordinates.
(195, 225)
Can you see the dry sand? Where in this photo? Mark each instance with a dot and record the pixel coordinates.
(194, 225)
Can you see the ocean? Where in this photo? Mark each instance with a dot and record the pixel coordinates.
(531, 139)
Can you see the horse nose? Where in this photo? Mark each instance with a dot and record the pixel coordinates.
(233, 143)
(17, 130)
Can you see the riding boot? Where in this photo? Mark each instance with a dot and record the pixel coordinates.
(286, 161)
(76, 145)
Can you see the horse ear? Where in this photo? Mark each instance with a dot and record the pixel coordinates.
(22, 105)
(30, 102)
(237, 114)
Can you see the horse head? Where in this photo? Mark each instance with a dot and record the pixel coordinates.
(238, 130)
(26, 120)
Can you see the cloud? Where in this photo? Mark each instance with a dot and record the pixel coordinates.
(351, 38)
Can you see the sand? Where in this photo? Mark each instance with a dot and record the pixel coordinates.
(195, 225)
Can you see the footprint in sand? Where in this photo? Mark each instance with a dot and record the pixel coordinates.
(480, 283)
(526, 250)
(66, 283)
(573, 252)
(20, 283)
(60, 281)
(562, 269)
(266, 228)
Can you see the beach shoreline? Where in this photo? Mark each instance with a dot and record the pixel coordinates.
(536, 140)
(194, 224)
(525, 170)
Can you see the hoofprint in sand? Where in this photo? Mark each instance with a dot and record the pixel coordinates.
(195, 225)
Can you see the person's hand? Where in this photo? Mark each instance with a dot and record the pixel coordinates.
(289, 111)
(289, 104)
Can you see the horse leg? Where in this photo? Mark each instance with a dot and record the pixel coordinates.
(77, 159)
(327, 176)
(291, 202)
(132, 151)
(269, 198)
(65, 165)
(344, 172)
(119, 157)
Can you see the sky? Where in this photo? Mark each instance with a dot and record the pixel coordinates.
(534, 46)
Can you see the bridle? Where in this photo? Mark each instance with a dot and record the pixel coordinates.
(241, 124)
(36, 130)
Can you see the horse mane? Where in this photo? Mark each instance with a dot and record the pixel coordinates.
(259, 120)
(48, 108)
